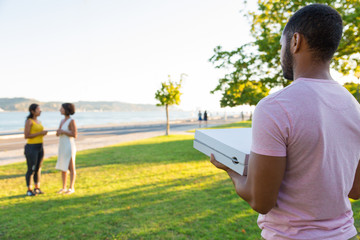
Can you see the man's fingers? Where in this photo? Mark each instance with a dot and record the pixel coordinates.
(216, 163)
(212, 159)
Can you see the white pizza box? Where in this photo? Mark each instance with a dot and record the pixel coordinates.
(230, 146)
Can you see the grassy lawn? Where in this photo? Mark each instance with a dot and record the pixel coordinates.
(157, 188)
(243, 124)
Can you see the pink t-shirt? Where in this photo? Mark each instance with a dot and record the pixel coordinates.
(315, 123)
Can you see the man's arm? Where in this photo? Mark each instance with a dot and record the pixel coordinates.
(260, 188)
(355, 190)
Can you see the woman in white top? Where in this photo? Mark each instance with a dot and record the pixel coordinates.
(67, 133)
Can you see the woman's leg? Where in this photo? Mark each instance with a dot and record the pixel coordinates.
(37, 174)
(72, 174)
(29, 173)
(30, 165)
(63, 176)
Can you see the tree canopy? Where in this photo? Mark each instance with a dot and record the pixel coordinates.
(255, 66)
(353, 88)
(169, 93)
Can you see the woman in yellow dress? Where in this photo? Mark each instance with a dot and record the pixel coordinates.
(34, 151)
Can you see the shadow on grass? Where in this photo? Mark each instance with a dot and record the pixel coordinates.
(147, 211)
(15, 197)
(164, 152)
(48, 167)
(167, 152)
(192, 206)
(12, 176)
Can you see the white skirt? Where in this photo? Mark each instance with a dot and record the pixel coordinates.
(67, 151)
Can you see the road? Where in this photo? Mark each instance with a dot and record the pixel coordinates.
(12, 145)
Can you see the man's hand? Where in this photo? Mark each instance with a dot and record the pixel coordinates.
(218, 164)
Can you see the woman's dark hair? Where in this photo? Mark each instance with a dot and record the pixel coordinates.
(321, 26)
(32, 108)
(69, 108)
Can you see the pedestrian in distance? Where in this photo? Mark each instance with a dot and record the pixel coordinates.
(199, 118)
(67, 133)
(304, 160)
(34, 150)
(205, 118)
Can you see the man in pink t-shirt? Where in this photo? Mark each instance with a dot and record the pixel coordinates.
(305, 153)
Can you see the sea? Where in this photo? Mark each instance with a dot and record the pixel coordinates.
(15, 121)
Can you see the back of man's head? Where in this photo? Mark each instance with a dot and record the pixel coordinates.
(320, 25)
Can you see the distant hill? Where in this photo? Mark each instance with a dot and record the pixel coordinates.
(22, 105)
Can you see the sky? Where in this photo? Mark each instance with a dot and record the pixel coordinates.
(116, 50)
(103, 50)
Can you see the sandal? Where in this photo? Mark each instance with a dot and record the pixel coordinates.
(38, 191)
(30, 193)
(70, 191)
(62, 191)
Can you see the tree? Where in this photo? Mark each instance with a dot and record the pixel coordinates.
(259, 61)
(243, 92)
(169, 94)
(352, 87)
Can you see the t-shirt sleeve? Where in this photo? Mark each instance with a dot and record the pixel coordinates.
(270, 129)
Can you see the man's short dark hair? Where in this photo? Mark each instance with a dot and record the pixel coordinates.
(321, 26)
(69, 108)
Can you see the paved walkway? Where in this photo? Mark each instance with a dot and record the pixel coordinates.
(11, 146)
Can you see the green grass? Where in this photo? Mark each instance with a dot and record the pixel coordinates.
(243, 124)
(157, 188)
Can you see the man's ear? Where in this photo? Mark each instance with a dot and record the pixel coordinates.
(296, 42)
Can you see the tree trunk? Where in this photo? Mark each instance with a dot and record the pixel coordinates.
(167, 120)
